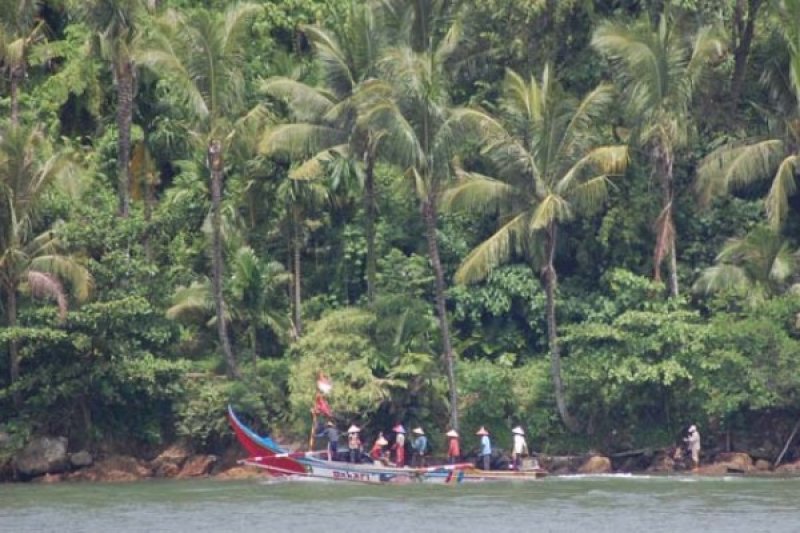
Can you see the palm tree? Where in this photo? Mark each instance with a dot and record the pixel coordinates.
(255, 287)
(115, 23)
(19, 29)
(28, 169)
(201, 53)
(758, 265)
(551, 168)
(776, 155)
(325, 118)
(659, 74)
(409, 110)
(300, 196)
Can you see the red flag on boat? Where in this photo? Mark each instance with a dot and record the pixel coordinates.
(324, 384)
(322, 407)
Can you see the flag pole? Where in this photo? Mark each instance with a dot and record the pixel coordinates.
(313, 429)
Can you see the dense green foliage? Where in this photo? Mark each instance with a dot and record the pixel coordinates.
(458, 210)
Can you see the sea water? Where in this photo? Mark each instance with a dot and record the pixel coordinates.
(615, 503)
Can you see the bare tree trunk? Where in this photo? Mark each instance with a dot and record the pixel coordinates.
(124, 78)
(370, 212)
(13, 348)
(17, 75)
(429, 215)
(744, 29)
(550, 283)
(668, 185)
(297, 272)
(215, 164)
(666, 239)
(254, 344)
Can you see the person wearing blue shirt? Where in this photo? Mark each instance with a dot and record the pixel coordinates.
(332, 434)
(486, 448)
(419, 446)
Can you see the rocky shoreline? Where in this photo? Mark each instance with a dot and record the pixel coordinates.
(46, 460)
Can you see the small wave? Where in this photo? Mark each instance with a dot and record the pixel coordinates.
(619, 475)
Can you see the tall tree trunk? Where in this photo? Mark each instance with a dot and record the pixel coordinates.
(297, 297)
(668, 189)
(429, 215)
(254, 343)
(550, 284)
(370, 212)
(17, 75)
(13, 349)
(124, 78)
(215, 164)
(744, 28)
(666, 239)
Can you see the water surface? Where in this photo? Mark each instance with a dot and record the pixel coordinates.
(593, 503)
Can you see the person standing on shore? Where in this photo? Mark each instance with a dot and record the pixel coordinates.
(399, 445)
(519, 448)
(419, 446)
(693, 443)
(354, 443)
(486, 448)
(453, 447)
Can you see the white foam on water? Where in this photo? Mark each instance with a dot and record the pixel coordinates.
(620, 475)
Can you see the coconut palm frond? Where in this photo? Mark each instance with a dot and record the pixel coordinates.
(44, 285)
(589, 110)
(708, 45)
(328, 52)
(306, 103)
(784, 265)
(299, 140)
(737, 164)
(720, 278)
(553, 208)
(46, 243)
(449, 44)
(492, 252)
(314, 167)
(66, 268)
(592, 194)
(165, 60)
(783, 186)
(646, 75)
(189, 302)
(521, 98)
(236, 27)
(399, 142)
(465, 126)
(475, 192)
(604, 160)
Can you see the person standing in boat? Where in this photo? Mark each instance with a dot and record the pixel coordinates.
(519, 448)
(453, 447)
(354, 443)
(377, 453)
(332, 434)
(399, 446)
(486, 448)
(693, 443)
(419, 446)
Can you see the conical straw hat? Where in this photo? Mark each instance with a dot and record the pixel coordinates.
(482, 431)
(354, 429)
(518, 431)
(452, 433)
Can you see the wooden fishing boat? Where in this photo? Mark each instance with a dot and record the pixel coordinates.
(270, 456)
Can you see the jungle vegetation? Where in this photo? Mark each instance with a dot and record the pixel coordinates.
(578, 216)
